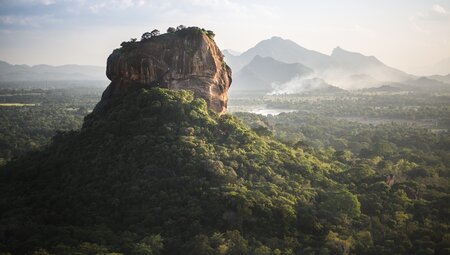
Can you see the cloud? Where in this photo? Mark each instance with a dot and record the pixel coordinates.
(29, 2)
(125, 12)
(439, 9)
(123, 4)
(48, 2)
(95, 8)
(24, 21)
(14, 20)
(427, 21)
(48, 14)
(435, 13)
(299, 84)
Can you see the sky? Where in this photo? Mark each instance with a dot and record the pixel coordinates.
(406, 34)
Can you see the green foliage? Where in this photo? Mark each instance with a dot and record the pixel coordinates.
(210, 34)
(156, 163)
(151, 245)
(180, 31)
(147, 35)
(129, 45)
(341, 202)
(365, 138)
(158, 173)
(25, 129)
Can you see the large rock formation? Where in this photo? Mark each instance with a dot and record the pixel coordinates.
(185, 59)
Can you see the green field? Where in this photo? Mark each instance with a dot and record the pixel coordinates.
(16, 105)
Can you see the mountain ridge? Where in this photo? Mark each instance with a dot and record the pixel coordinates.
(259, 74)
(42, 72)
(338, 69)
(158, 165)
(441, 78)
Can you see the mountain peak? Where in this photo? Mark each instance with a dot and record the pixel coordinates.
(230, 52)
(186, 59)
(339, 50)
(336, 50)
(267, 63)
(345, 55)
(277, 38)
(259, 58)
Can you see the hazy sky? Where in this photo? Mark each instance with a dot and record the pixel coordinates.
(402, 33)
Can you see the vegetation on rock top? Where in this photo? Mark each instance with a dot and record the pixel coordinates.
(180, 31)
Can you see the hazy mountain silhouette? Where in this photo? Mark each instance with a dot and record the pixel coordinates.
(10, 72)
(306, 85)
(355, 70)
(265, 74)
(421, 84)
(262, 73)
(441, 78)
(342, 68)
(442, 67)
(426, 84)
(282, 50)
(231, 52)
(347, 59)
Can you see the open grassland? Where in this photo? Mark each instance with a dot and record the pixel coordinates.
(16, 105)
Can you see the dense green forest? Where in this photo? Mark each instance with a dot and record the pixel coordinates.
(30, 117)
(158, 173)
(375, 135)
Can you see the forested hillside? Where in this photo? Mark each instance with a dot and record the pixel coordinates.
(31, 117)
(322, 129)
(157, 172)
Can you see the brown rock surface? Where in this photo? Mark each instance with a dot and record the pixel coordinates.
(187, 59)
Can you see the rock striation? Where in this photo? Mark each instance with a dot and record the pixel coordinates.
(186, 59)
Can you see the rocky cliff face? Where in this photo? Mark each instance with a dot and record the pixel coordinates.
(187, 59)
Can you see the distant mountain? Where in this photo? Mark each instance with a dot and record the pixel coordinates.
(426, 84)
(282, 50)
(342, 68)
(441, 78)
(306, 85)
(354, 70)
(231, 52)
(263, 73)
(10, 73)
(369, 65)
(441, 67)
(422, 84)
(389, 88)
(353, 60)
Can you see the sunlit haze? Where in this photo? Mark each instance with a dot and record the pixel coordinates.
(412, 35)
